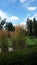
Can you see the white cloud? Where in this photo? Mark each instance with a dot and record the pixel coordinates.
(22, 1)
(9, 18)
(31, 8)
(14, 18)
(34, 16)
(31, 17)
(27, 3)
(23, 25)
(3, 14)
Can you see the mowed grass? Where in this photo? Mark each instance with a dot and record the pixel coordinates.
(31, 41)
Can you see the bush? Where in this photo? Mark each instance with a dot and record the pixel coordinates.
(4, 43)
(19, 41)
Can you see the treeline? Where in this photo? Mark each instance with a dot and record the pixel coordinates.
(32, 27)
(6, 25)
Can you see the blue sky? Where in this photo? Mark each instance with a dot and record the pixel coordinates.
(17, 11)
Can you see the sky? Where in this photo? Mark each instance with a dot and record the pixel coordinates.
(17, 11)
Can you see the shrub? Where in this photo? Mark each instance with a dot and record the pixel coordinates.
(19, 41)
(4, 43)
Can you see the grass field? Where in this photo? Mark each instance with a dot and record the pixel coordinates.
(31, 41)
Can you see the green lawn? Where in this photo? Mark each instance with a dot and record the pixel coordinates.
(31, 41)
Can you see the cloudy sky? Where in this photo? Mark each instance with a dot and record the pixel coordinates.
(17, 11)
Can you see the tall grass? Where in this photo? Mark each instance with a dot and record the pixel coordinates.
(4, 42)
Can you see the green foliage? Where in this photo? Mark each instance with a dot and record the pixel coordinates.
(35, 27)
(2, 23)
(32, 27)
(29, 26)
(9, 26)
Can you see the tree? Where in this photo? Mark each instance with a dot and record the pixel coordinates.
(2, 22)
(35, 27)
(32, 27)
(9, 26)
(29, 26)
